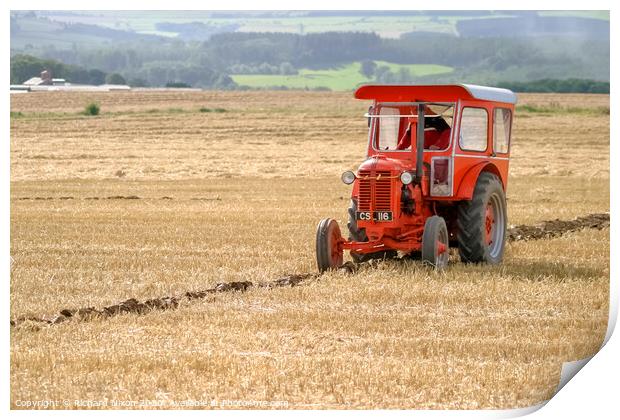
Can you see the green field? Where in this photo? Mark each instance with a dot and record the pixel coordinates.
(341, 78)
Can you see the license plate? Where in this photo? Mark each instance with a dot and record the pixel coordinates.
(378, 216)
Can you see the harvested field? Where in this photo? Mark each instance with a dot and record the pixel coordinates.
(273, 134)
(153, 199)
(546, 229)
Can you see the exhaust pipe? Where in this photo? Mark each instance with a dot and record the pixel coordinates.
(419, 145)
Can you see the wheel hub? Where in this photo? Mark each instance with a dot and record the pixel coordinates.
(489, 223)
(336, 246)
(441, 248)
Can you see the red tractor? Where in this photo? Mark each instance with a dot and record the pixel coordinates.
(435, 177)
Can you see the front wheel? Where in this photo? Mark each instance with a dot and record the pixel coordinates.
(329, 254)
(435, 247)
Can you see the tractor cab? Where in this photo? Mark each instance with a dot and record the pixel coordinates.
(444, 125)
(430, 150)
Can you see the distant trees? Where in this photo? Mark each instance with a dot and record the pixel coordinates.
(287, 68)
(23, 67)
(488, 58)
(383, 74)
(158, 74)
(177, 85)
(558, 86)
(368, 68)
(263, 68)
(404, 75)
(156, 61)
(95, 77)
(266, 68)
(115, 79)
(137, 82)
(324, 49)
(195, 30)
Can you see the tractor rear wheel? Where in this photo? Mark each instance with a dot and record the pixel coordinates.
(482, 222)
(328, 247)
(435, 242)
(359, 235)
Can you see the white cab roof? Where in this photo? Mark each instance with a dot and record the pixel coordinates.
(491, 93)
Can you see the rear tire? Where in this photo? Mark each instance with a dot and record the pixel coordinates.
(435, 242)
(329, 253)
(482, 222)
(359, 235)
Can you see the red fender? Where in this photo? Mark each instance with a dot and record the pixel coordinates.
(468, 182)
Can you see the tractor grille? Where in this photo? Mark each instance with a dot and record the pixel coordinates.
(365, 195)
(375, 190)
(383, 194)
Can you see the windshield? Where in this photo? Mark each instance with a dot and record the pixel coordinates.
(395, 127)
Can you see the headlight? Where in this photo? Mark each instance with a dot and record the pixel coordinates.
(348, 177)
(406, 178)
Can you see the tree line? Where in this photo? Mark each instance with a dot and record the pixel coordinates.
(209, 64)
(558, 86)
(24, 67)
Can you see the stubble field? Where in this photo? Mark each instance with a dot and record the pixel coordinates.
(155, 198)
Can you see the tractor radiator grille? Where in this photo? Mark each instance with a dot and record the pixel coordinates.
(365, 195)
(373, 190)
(383, 194)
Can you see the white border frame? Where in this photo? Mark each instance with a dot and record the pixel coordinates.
(593, 394)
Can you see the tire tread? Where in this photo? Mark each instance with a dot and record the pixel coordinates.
(470, 221)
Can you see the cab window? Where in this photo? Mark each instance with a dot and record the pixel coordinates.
(474, 123)
(389, 126)
(396, 127)
(502, 119)
(438, 126)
